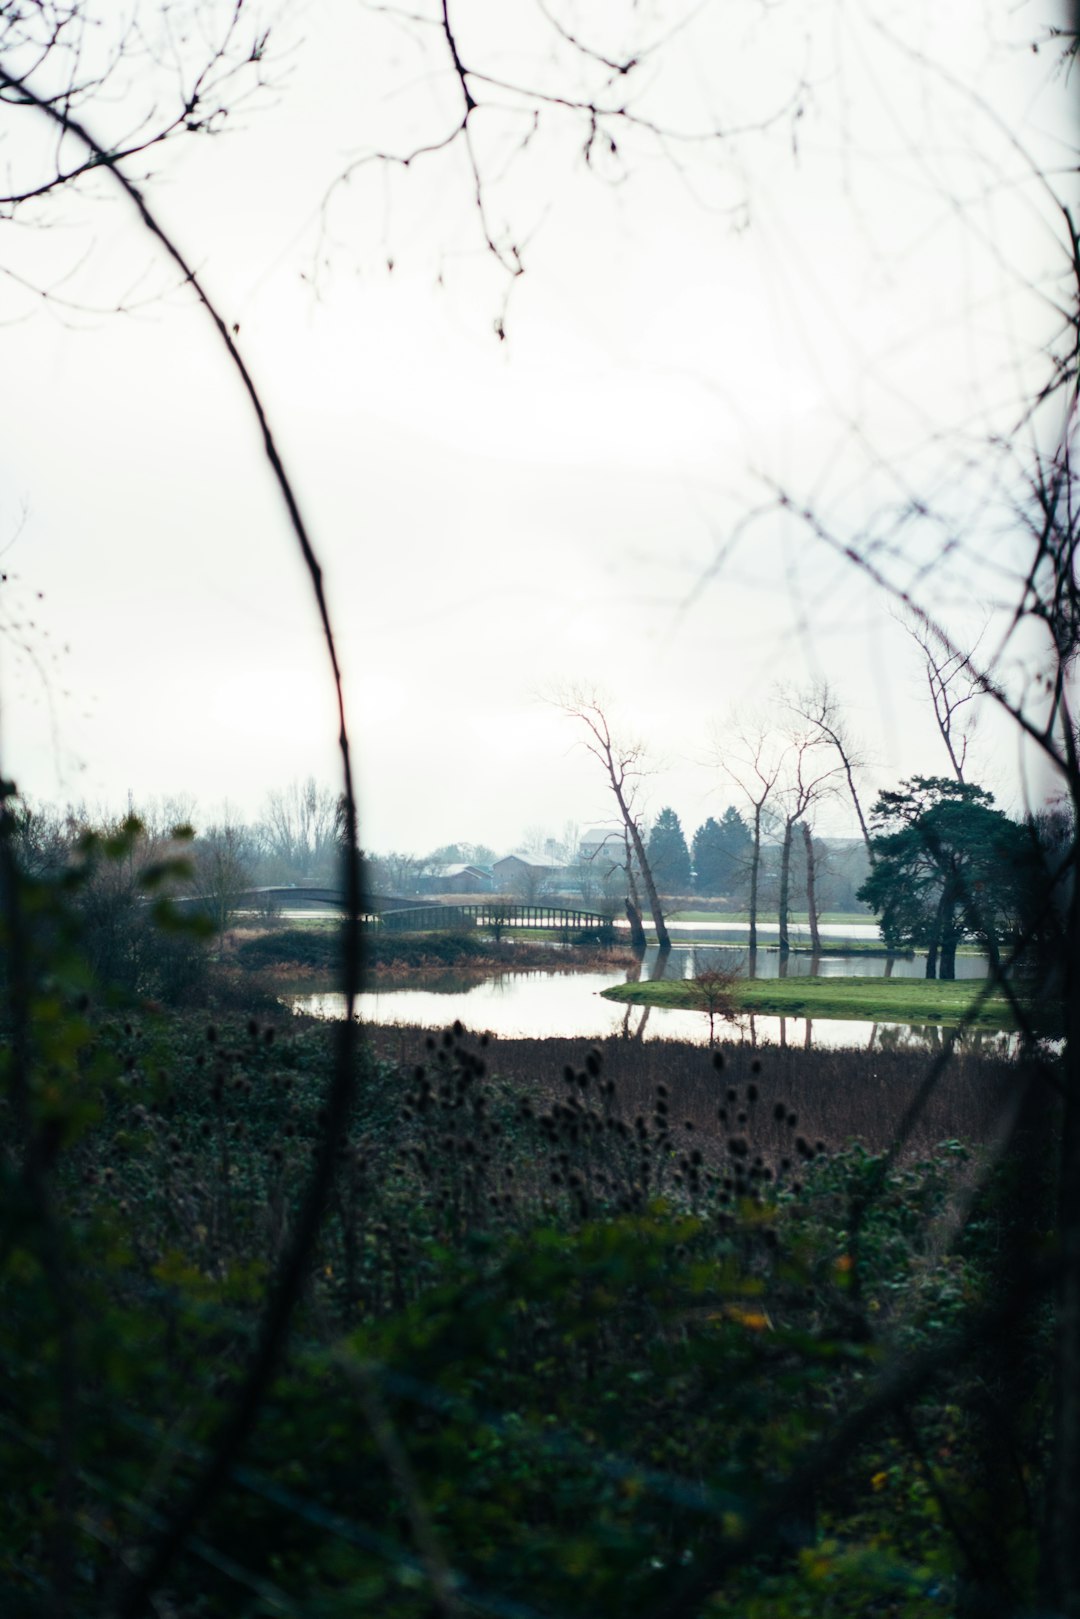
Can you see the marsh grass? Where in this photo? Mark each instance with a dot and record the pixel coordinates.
(838, 1096)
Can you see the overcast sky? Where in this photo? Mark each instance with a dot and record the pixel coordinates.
(844, 305)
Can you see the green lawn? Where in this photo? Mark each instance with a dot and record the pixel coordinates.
(831, 944)
(796, 918)
(873, 1000)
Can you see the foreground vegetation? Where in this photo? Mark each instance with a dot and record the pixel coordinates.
(575, 1332)
(563, 1345)
(873, 1000)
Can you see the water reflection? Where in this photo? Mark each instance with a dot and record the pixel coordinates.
(540, 1005)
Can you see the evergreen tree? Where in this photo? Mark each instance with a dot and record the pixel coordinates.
(947, 866)
(721, 854)
(668, 855)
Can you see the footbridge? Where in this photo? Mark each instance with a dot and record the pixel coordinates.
(398, 915)
(494, 914)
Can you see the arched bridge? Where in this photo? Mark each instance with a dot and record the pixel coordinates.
(397, 914)
(491, 914)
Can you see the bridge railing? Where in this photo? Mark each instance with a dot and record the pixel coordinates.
(435, 918)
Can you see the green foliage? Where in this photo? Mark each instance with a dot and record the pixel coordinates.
(947, 866)
(884, 1000)
(668, 856)
(721, 854)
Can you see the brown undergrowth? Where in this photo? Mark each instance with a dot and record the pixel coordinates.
(832, 1096)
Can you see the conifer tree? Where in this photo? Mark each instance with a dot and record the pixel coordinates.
(668, 855)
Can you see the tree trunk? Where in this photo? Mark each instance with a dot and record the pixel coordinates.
(755, 865)
(836, 738)
(950, 933)
(638, 941)
(785, 885)
(858, 807)
(663, 938)
(811, 890)
(934, 940)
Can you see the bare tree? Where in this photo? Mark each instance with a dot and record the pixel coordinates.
(150, 74)
(712, 986)
(397, 872)
(821, 708)
(953, 683)
(633, 900)
(223, 858)
(811, 887)
(809, 778)
(754, 763)
(301, 830)
(623, 764)
(483, 115)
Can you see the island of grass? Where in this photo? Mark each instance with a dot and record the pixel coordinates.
(870, 1000)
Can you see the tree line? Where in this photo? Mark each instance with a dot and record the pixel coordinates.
(938, 863)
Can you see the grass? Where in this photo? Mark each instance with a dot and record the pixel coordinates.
(872, 1000)
(796, 918)
(832, 945)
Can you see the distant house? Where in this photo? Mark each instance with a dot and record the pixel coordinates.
(527, 875)
(455, 879)
(602, 845)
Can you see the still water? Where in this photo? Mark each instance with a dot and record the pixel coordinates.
(536, 1005)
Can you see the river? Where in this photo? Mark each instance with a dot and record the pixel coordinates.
(537, 1005)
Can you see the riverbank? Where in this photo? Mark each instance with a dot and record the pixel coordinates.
(303, 955)
(717, 913)
(875, 1000)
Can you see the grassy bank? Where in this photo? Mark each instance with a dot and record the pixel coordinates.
(796, 918)
(872, 1000)
(832, 945)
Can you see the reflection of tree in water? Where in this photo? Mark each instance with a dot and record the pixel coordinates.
(917, 1039)
(657, 971)
(633, 976)
(937, 1037)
